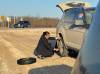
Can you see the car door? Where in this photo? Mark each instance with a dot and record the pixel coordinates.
(76, 36)
(88, 61)
(75, 32)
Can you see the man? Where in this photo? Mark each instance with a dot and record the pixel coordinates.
(44, 48)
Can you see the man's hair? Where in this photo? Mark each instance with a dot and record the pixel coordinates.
(45, 33)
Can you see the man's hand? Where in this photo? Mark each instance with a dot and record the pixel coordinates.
(56, 49)
(58, 38)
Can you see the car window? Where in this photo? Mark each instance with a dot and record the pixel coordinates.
(73, 15)
(79, 19)
(89, 15)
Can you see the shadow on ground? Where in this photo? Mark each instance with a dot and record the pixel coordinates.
(73, 53)
(57, 69)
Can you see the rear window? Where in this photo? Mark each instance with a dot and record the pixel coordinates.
(71, 15)
(76, 16)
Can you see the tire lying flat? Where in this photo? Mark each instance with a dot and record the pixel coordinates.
(26, 61)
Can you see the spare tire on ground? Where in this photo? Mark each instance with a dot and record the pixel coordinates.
(26, 61)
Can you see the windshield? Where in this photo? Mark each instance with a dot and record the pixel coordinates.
(75, 16)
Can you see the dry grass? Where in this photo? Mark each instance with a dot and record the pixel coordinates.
(20, 43)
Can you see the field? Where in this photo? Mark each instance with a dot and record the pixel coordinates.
(20, 43)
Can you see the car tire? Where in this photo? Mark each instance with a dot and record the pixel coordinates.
(25, 61)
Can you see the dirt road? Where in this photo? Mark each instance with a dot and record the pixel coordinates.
(20, 43)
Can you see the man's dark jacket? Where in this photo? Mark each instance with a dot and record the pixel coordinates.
(43, 48)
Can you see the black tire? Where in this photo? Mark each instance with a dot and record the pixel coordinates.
(25, 61)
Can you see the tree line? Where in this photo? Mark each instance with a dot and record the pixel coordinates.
(36, 22)
(42, 22)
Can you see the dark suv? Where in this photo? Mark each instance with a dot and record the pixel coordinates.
(22, 24)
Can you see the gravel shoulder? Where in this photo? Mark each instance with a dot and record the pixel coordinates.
(20, 43)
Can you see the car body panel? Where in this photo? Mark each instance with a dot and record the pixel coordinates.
(89, 57)
(78, 37)
(73, 34)
(64, 6)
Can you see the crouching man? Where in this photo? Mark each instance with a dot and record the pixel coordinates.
(44, 48)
